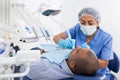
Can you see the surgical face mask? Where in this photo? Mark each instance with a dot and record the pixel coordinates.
(88, 30)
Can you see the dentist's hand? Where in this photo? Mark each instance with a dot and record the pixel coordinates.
(67, 43)
(85, 45)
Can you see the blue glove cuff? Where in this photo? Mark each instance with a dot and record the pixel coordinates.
(85, 45)
(67, 43)
(61, 42)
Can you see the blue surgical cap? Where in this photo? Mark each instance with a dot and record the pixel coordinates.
(89, 11)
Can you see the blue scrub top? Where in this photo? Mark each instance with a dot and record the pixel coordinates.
(101, 44)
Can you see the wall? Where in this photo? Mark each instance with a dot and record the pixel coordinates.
(4, 15)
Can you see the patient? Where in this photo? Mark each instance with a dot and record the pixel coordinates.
(81, 61)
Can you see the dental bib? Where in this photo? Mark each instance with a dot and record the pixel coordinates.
(57, 54)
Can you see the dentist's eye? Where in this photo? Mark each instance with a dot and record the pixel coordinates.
(83, 23)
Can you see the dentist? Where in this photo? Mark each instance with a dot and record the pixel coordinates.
(88, 33)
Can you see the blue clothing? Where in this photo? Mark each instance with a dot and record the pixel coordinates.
(101, 44)
(45, 70)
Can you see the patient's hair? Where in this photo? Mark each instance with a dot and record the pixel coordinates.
(87, 65)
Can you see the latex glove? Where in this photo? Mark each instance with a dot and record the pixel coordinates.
(85, 45)
(67, 43)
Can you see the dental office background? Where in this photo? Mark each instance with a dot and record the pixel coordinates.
(68, 17)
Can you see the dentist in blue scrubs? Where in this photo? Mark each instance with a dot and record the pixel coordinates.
(88, 33)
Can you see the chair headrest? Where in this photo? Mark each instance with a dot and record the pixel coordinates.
(114, 64)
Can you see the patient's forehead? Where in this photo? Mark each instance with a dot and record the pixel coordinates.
(83, 51)
(80, 52)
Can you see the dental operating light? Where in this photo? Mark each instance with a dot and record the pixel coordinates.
(50, 8)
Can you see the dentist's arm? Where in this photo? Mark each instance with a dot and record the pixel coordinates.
(59, 36)
(62, 40)
(103, 63)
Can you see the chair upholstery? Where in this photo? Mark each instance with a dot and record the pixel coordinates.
(26, 78)
(113, 77)
(114, 65)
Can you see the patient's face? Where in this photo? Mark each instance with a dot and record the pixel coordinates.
(78, 52)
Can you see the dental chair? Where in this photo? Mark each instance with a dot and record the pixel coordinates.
(114, 66)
